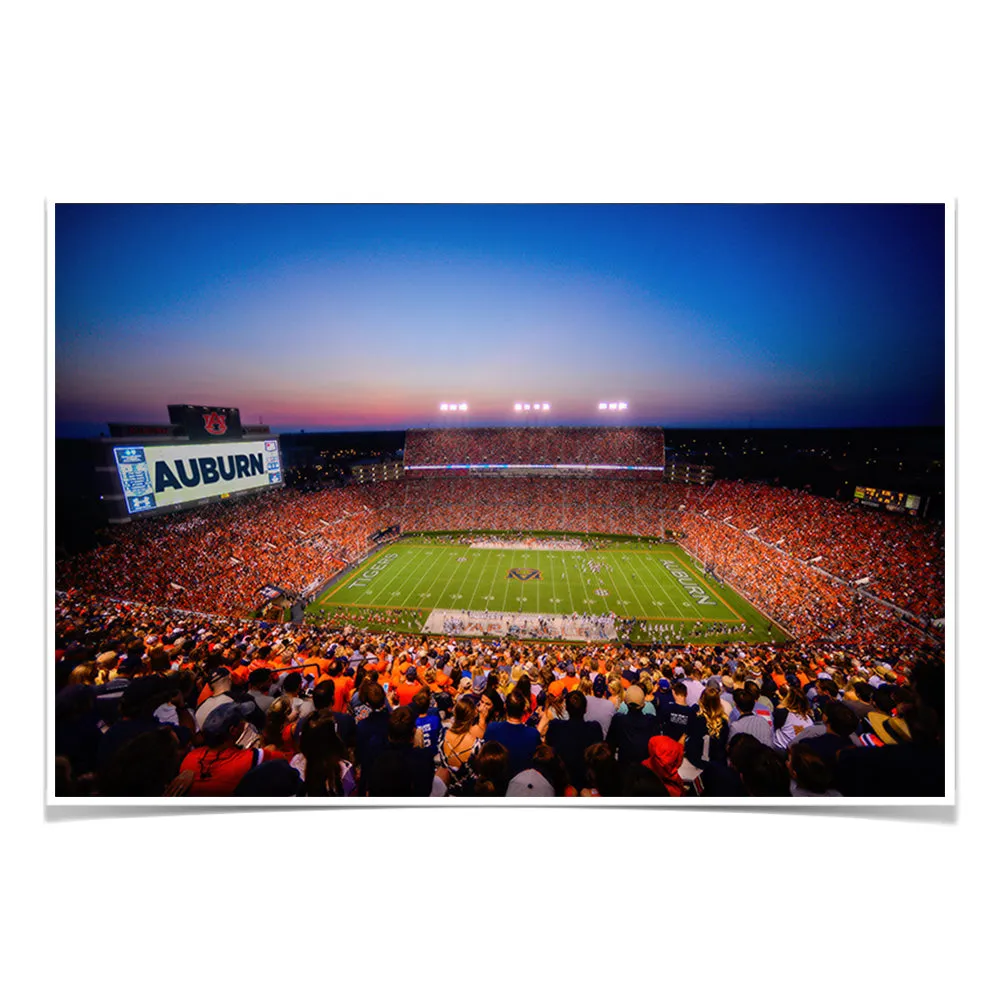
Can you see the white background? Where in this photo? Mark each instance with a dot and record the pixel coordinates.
(535, 102)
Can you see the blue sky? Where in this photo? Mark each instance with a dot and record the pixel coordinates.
(327, 317)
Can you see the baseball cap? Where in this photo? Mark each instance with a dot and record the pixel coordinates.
(221, 719)
(530, 783)
(217, 673)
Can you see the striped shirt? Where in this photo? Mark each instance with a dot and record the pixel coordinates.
(756, 725)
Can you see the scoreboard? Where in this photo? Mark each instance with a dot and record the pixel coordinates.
(155, 476)
(901, 503)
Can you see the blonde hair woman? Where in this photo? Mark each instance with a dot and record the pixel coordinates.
(790, 718)
(708, 730)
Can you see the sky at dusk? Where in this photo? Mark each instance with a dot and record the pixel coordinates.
(368, 317)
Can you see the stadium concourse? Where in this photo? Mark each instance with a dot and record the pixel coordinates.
(166, 686)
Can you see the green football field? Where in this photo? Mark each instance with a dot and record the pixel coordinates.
(436, 586)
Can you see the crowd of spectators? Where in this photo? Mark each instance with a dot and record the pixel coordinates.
(154, 702)
(796, 556)
(615, 507)
(621, 446)
(218, 557)
(903, 556)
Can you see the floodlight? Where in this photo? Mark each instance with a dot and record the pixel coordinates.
(623, 406)
(517, 406)
(444, 406)
(453, 406)
(602, 406)
(545, 406)
(612, 406)
(463, 406)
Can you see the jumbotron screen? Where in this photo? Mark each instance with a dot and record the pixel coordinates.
(869, 496)
(158, 476)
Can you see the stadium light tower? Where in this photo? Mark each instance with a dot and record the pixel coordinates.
(533, 410)
(616, 406)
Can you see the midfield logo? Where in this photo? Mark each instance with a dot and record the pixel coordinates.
(523, 574)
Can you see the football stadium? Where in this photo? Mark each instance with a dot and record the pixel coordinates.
(529, 607)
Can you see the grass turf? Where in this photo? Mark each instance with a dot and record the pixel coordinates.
(415, 576)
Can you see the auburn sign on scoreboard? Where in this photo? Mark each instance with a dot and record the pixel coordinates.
(158, 476)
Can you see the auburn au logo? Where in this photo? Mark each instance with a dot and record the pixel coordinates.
(215, 422)
(523, 574)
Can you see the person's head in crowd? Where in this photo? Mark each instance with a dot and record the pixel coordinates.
(159, 661)
(744, 699)
(260, 680)
(635, 698)
(795, 701)
(421, 702)
(402, 723)
(827, 687)
(145, 766)
(218, 678)
(924, 725)
(680, 692)
(548, 763)
(84, 673)
(576, 705)
(884, 699)
(863, 692)
(839, 719)
(713, 709)
(144, 696)
(516, 707)
(665, 758)
(292, 685)
(491, 765)
(600, 686)
(764, 773)
(640, 782)
(494, 704)
(325, 753)
(227, 725)
(323, 695)
(373, 695)
(523, 687)
(740, 748)
(466, 716)
(602, 770)
(277, 717)
(808, 769)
